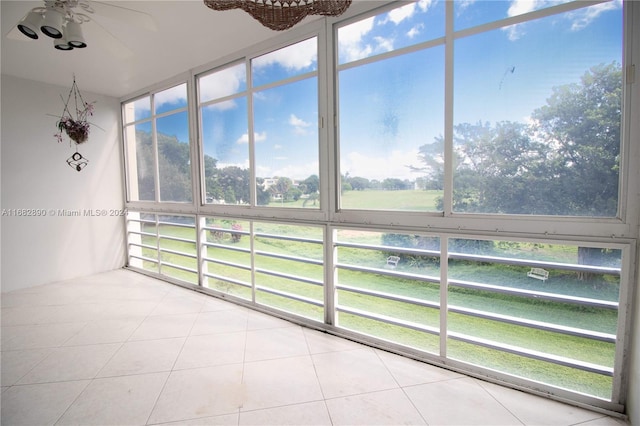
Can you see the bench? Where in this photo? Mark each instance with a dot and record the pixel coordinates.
(538, 273)
(392, 262)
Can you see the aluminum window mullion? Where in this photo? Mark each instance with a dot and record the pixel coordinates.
(444, 295)
(253, 184)
(448, 110)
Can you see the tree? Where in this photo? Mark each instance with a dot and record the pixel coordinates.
(582, 122)
(565, 163)
(311, 184)
(358, 183)
(281, 187)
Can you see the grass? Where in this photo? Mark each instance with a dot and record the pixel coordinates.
(586, 350)
(372, 199)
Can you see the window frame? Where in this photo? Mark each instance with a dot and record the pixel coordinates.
(184, 207)
(493, 222)
(317, 30)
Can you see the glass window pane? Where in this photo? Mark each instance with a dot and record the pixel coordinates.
(227, 265)
(141, 162)
(388, 286)
(289, 268)
(174, 158)
(538, 117)
(391, 152)
(226, 152)
(137, 110)
(401, 27)
(170, 99)
(471, 13)
(225, 82)
(287, 62)
(557, 300)
(286, 144)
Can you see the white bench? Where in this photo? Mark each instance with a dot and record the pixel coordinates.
(392, 262)
(538, 273)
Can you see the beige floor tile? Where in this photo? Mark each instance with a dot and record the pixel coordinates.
(178, 304)
(260, 321)
(310, 413)
(411, 372)
(164, 327)
(212, 349)
(126, 400)
(15, 364)
(279, 382)
(71, 363)
(40, 404)
(39, 336)
(220, 322)
(144, 356)
(458, 402)
(106, 331)
(535, 410)
(391, 407)
(275, 343)
(352, 372)
(200, 392)
(320, 342)
(224, 420)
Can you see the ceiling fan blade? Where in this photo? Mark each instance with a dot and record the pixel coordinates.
(129, 16)
(112, 43)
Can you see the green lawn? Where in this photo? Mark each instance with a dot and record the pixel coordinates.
(371, 199)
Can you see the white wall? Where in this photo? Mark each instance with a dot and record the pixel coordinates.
(37, 250)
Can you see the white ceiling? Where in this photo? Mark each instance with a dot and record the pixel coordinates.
(189, 35)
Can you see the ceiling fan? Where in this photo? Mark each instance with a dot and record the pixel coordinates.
(62, 20)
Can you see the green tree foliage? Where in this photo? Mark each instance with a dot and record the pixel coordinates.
(566, 162)
(174, 164)
(311, 184)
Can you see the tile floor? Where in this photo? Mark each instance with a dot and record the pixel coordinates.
(121, 348)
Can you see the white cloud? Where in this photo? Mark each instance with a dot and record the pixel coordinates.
(243, 165)
(463, 5)
(174, 95)
(384, 44)
(401, 13)
(380, 167)
(579, 19)
(514, 32)
(295, 57)
(222, 83)
(405, 12)
(583, 17)
(350, 39)
(299, 126)
(520, 7)
(296, 171)
(277, 147)
(415, 30)
(257, 137)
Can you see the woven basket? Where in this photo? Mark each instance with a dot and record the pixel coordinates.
(281, 15)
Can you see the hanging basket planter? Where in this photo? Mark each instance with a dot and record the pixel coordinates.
(73, 121)
(78, 131)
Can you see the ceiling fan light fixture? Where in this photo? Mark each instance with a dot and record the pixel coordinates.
(30, 24)
(73, 35)
(62, 44)
(52, 23)
(281, 15)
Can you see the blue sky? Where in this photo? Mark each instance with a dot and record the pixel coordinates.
(388, 109)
